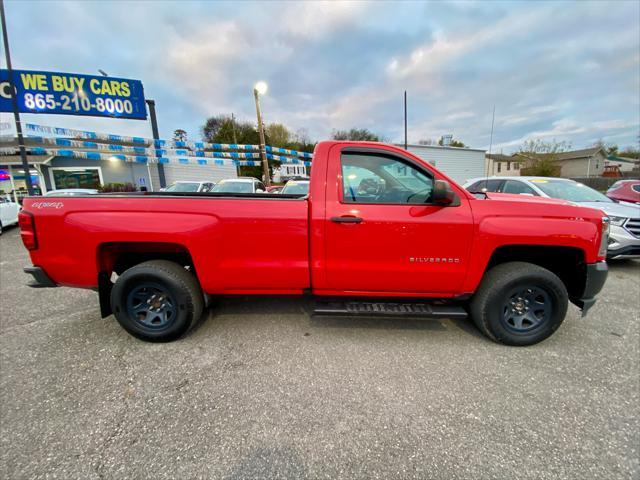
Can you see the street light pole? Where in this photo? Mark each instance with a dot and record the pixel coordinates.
(14, 98)
(261, 88)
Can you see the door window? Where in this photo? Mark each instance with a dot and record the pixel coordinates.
(516, 186)
(376, 178)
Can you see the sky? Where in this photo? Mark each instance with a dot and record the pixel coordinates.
(568, 71)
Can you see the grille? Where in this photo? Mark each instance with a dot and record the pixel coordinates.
(633, 226)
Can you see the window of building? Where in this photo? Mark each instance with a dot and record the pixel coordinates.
(76, 177)
(376, 178)
(499, 167)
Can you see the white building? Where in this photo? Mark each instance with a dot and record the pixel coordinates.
(289, 170)
(460, 164)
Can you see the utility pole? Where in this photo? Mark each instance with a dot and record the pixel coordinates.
(156, 136)
(233, 128)
(263, 151)
(235, 139)
(14, 98)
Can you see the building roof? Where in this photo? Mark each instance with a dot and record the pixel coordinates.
(439, 147)
(577, 154)
(616, 158)
(499, 157)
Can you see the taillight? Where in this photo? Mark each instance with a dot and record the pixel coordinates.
(28, 230)
(604, 241)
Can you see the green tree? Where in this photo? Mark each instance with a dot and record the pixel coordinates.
(609, 148)
(278, 134)
(630, 152)
(540, 157)
(453, 143)
(356, 134)
(226, 129)
(180, 135)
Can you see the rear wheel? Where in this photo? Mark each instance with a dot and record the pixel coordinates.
(157, 301)
(519, 303)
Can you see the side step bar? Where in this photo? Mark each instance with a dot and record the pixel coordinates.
(388, 309)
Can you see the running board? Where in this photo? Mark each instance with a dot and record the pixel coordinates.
(388, 309)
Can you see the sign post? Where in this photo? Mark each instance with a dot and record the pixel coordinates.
(14, 105)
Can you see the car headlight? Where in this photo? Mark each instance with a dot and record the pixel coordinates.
(604, 241)
(617, 221)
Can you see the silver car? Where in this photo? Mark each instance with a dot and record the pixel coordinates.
(624, 236)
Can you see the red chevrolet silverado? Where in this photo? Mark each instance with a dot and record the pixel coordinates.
(381, 232)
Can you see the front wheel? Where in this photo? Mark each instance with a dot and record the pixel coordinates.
(157, 301)
(519, 303)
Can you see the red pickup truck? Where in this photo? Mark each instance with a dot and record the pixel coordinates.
(381, 232)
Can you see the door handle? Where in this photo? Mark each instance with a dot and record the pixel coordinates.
(346, 219)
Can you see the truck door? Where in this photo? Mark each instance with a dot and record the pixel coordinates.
(383, 234)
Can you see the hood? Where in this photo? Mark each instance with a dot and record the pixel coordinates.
(615, 209)
(514, 197)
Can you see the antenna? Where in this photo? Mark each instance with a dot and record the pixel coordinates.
(405, 119)
(493, 119)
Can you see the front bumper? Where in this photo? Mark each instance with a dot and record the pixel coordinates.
(622, 244)
(596, 276)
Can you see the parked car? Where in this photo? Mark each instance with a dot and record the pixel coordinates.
(188, 186)
(240, 185)
(296, 187)
(8, 213)
(71, 192)
(625, 191)
(624, 236)
(512, 262)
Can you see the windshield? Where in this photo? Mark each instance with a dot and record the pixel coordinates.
(233, 187)
(572, 191)
(183, 187)
(296, 188)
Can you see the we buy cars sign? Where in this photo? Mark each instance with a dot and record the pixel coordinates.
(73, 94)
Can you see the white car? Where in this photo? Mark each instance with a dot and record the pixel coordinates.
(66, 192)
(8, 213)
(187, 186)
(624, 236)
(296, 187)
(239, 185)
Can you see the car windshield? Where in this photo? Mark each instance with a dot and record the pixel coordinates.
(572, 191)
(296, 188)
(233, 187)
(183, 187)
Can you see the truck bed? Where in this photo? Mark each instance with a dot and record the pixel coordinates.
(238, 243)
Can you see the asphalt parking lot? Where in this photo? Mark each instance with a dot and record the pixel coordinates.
(263, 390)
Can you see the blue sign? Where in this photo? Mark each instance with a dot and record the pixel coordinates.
(73, 94)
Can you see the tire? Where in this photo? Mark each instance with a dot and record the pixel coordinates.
(519, 304)
(157, 301)
(1, 228)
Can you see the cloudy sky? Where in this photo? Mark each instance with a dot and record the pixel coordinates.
(563, 70)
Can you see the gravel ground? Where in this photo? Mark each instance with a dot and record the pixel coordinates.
(263, 390)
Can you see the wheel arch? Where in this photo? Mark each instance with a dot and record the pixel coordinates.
(116, 257)
(568, 263)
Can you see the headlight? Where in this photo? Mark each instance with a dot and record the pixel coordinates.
(617, 221)
(604, 241)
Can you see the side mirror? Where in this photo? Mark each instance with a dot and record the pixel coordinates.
(444, 195)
